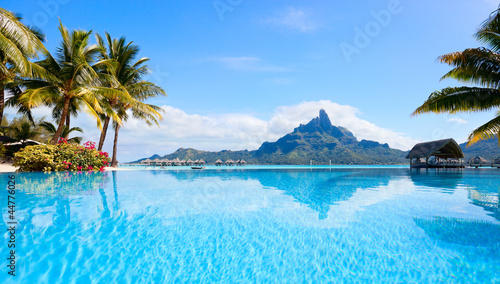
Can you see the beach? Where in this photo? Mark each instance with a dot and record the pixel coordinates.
(9, 168)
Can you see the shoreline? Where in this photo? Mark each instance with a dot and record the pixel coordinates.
(9, 168)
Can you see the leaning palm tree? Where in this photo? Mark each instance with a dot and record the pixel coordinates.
(480, 66)
(18, 44)
(73, 78)
(128, 74)
(123, 71)
(51, 128)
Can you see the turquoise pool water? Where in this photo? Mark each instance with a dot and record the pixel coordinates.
(340, 225)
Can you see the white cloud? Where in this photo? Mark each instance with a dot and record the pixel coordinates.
(294, 19)
(458, 120)
(247, 63)
(236, 131)
(230, 131)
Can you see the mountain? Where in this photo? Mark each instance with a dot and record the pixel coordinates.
(318, 140)
(323, 142)
(487, 149)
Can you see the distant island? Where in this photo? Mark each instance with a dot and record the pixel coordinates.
(322, 142)
(318, 140)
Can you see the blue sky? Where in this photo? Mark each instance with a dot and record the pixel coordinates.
(239, 73)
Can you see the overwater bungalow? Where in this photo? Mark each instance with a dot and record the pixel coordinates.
(242, 162)
(219, 162)
(176, 162)
(156, 162)
(189, 162)
(478, 162)
(166, 162)
(446, 152)
(229, 162)
(201, 162)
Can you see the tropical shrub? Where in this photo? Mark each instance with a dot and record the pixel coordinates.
(61, 157)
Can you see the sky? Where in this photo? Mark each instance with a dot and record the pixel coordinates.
(239, 72)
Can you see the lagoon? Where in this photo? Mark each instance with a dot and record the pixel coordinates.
(257, 224)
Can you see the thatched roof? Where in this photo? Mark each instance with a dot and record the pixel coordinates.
(242, 161)
(477, 160)
(446, 148)
(189, 161)
(496, 161)
(229, 161)
(201, 161)
(156, 160)
(219, 162)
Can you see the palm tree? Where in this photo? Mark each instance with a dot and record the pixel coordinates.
(123, 70)
(18, 44)
(479, 66)
(23, 132)
(128, 74)
(51, 128)
(73, 79)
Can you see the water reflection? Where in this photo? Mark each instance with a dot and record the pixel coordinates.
(445, 179)
(57, 194)
(217, 224)
(461, 231)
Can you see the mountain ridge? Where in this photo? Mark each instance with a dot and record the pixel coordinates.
(318, 140)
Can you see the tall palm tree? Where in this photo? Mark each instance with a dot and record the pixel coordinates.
(73, 78)
(18, 44)
(123, 55)
(480, 66)
(51, 128)
(128, 74)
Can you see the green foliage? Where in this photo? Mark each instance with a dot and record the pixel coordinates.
(61, 157)
(41, 135)
(3, 150)
(478, 66)
(65, 133)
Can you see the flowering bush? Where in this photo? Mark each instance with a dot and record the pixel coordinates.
(61, 157)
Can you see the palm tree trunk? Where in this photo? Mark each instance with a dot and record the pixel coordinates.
(2, 102)
(114, 162)
(68, 123)
(103, 133)
(60, 128)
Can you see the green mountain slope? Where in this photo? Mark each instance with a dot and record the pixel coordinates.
(487, 149)
(317, 140)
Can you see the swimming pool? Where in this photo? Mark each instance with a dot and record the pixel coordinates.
(341, 225)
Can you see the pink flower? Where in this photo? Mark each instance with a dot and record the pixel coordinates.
(79, 167)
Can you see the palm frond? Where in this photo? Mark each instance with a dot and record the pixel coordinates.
(460, 99)
(486, 131)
